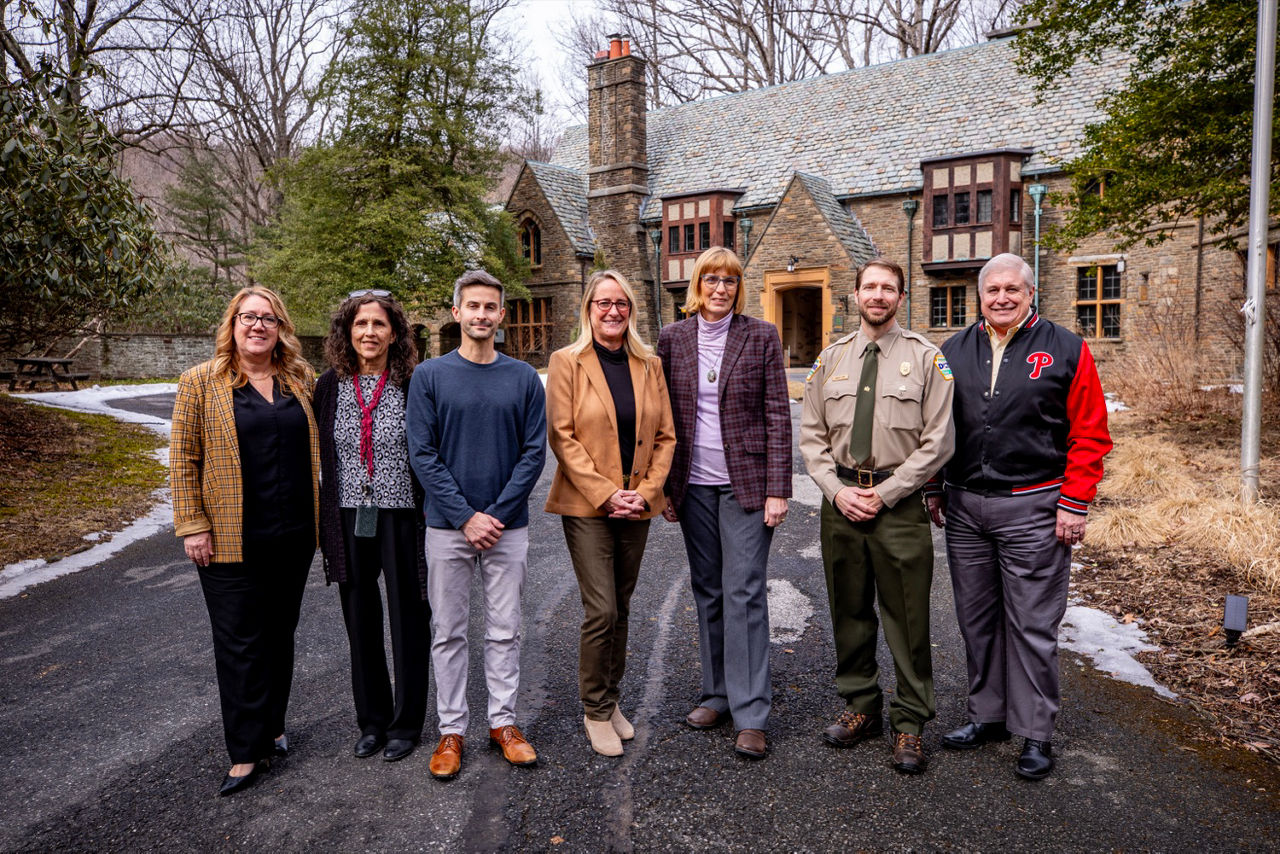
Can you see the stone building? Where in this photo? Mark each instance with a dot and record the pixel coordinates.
(934, 161)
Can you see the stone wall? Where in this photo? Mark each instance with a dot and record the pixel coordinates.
(121, 356)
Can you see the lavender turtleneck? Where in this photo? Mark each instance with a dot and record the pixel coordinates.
(708, 467)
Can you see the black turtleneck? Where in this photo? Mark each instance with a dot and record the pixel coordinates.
(617, 372)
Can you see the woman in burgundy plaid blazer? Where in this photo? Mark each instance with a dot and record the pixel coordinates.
(729, 485)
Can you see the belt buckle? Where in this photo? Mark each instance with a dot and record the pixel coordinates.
(865, 477)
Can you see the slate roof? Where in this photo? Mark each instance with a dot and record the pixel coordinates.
(566, 192)
(846, 228)
(866, 130)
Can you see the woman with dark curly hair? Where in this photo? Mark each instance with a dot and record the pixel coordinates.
(371, 520)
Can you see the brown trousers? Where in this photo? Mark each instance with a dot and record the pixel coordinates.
(606, 555)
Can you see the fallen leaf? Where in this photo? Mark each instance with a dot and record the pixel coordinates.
(557, 840)
(1251, 697)
(1128, 618)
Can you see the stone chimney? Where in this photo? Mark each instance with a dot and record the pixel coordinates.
(618, 171)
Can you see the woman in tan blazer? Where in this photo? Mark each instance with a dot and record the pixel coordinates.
(609, 424)
(244, 468)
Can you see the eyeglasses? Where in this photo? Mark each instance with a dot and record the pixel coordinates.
(369, 292)
(713, 282)
(622, 305)
(269, 321)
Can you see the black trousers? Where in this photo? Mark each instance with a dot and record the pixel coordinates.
(393, 553)
(253, 609)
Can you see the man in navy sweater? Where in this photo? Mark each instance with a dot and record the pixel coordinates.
(477, 431)
(1031, 432)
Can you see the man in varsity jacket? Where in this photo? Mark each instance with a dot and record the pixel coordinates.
(1031, 432)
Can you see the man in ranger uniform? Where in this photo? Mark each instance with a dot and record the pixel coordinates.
(876, 427)
(1031, 432)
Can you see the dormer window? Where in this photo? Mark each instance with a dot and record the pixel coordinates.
(694, 223)
(974, 208)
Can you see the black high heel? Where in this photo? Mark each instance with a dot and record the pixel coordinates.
(233, 784)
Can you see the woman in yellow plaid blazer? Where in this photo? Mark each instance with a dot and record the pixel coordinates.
(244, 471)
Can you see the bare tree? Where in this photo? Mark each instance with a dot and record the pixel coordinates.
(698, 48)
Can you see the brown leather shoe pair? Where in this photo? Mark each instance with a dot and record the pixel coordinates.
(908, 753)
(704, 718)
(750, 744)
(851, 728)
(515, 748)
(446, 760)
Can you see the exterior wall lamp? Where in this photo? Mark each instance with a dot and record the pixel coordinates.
(909, 207)
(745, 224)
(1037, 192)
(791, 264)
(655, 234)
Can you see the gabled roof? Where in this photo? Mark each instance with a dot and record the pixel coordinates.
(566, 192)
(865, 130)
(845, 227)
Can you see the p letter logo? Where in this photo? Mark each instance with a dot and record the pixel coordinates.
(1038, 362)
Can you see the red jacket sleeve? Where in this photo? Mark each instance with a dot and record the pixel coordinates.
(1088, 440)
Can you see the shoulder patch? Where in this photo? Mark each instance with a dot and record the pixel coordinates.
(940, 362)
(817, 363)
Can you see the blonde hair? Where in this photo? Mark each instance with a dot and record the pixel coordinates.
(715, 258)
(634, 343)
(286, 356)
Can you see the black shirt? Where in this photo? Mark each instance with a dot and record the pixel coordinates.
(617, 372)
(275, 463)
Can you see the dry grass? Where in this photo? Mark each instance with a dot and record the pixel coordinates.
(1154, 494)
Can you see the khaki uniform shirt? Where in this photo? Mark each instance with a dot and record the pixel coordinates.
(913, 433)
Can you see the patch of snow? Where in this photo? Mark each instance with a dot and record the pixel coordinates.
(1114, 403)
(98, 399)
(17, 577)
(1110, 645)
(789, 611)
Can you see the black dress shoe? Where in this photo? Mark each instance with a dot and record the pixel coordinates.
(973, 735)
(232, 783)
(398, 748)
(281, 746)
(1036, 760)
(369, 744)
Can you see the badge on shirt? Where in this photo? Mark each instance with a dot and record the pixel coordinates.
(817, 363)
(905, 369)
(940, 362)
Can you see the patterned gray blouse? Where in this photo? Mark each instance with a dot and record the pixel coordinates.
(392, 486)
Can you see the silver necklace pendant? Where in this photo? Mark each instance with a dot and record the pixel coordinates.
(711, 375)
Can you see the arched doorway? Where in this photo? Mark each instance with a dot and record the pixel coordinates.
(450, 337)
(799, 304)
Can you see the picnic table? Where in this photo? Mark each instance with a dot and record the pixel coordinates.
(33, 369)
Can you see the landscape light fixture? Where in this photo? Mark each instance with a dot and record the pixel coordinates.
(791, 265)
(655, 234)
(1037, 192)
(1235, 618)
(909, 207)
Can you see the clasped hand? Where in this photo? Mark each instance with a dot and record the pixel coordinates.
(625, 504)
(858, 504)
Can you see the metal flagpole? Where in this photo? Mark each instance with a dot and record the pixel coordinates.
(1254, 309)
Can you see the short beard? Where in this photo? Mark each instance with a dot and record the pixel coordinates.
(470, 332)
(870, 321)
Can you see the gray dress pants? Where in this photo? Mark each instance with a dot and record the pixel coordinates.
(728, 551)
(1010, 575)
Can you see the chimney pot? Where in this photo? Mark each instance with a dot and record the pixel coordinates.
(626, 47)
(615, 45)
(602, 54)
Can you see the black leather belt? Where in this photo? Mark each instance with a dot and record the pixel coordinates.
(865, 478)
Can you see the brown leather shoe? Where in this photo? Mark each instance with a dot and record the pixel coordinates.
(705, 718)
(446, 760)
(851, 728)
(751, 744)
(515, 749)
(908, 753)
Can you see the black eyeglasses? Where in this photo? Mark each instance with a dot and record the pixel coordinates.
(369, 292)
(621, 305)
(269, 321)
